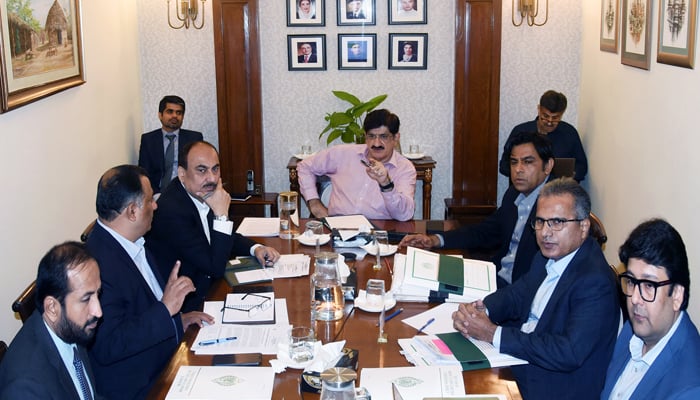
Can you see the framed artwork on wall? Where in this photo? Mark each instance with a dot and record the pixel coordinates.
(306, 52)
(403, 12)
(636, 33)
(41, 50)
(306, 13)
(677, 28)
(408, 51)
(357, 51)
(356, 12)
(609, 25)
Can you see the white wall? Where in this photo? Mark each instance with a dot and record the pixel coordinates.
(54, 150)
(642, 143)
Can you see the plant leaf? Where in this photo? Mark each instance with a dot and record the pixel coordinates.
(352, 99)
(333, 135)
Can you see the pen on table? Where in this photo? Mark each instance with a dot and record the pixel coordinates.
(430, 321)
(392, 315)
(215, 341)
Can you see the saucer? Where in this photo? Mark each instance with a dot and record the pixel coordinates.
(361, 303)
(414, 156)
(303, 156)
(387, 249)
(311, 240)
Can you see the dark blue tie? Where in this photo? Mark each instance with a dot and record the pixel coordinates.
(169, 161)
(80, 371)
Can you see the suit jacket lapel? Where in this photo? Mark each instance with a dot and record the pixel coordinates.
(53, 357)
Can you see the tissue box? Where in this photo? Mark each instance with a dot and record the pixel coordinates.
(311, 381)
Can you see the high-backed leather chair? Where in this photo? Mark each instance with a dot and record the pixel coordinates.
(86, 231)
(25, 305)
(598, 230)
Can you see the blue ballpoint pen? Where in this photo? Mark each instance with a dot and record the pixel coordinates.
(430, 321)
(215, 341)
(392, 315)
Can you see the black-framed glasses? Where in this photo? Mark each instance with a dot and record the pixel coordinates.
(252, 309)
(555, 224)
(647, 288)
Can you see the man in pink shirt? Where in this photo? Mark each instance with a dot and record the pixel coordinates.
(370, 179)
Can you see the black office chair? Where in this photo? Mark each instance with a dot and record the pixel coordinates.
(25, 305)
(3, 349)
(86, 231)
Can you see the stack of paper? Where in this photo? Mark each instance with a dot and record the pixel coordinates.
(245, 270)
(422, 275)
(212, 383)
(261, 227)
(413, 383)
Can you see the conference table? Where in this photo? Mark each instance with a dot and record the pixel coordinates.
(359, 329)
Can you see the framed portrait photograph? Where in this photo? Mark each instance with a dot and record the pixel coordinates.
(677, 28)
(41, 50)
(356, 12)
(408, 51)
(357, 51)
(306, 52)
(405, 12)
(306, 13)
(636, 33)
(609, 25)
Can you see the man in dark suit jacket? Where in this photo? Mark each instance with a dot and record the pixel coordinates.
(171, 112)
(307, 55)
(178, 232)
(142, 324)
(508, 229)
(354, 10)
(659, 339)
(563, 315)
(68, 310)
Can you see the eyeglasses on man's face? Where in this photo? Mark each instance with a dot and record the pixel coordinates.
(555, 224)
(553, 118)
(252, 309)
(647, 288)
(383, 137)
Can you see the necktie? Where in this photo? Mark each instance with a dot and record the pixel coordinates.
(306, 59)
(78, 364)
(169, 161)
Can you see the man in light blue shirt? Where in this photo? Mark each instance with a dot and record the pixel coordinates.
(47, 359)
(657, 355)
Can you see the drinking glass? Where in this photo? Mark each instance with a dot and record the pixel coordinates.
(375, 296)
(314, 229)
(301, 344)
(305, 149)
(414, 149)
(381, 241)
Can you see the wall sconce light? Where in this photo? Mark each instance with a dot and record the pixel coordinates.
(187, 12)
(528, 10)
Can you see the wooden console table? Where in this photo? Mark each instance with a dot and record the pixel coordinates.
(424, 172)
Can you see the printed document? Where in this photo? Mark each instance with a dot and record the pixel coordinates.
(222, 382)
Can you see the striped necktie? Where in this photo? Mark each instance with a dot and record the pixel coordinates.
(169, 161)
(80, 372)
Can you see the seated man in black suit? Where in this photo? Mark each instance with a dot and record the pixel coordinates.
(508, 229)
(142, 325)
(36, 366)
(153, 151)
(191, 224)
(563, 315)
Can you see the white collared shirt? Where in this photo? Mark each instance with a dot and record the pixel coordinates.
(65, 350)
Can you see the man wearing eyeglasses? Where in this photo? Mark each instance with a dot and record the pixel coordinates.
(657, 355)
(565, 139)
(371, 179)
(507, 231)
(563, 315)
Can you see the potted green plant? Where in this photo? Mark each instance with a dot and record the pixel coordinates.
(347, 125)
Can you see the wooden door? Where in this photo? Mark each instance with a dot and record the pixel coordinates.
(238, 90)
(477, 86)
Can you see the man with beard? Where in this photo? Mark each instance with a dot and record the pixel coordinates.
(159, 149)
(371, 179)
(47, 359)
(191, 224)
(142, 324)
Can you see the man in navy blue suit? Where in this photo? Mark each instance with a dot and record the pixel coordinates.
(563, 315)
(508, 229)
(142, 324)
(657, 355)
(154, 144)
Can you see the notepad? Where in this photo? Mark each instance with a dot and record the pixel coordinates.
(249, 308)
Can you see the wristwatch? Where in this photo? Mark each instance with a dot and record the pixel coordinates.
(388, 187)
(222, 218)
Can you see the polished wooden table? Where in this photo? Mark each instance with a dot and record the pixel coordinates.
(359, 329)
(424, 172)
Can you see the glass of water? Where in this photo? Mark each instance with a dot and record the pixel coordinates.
(381, 243)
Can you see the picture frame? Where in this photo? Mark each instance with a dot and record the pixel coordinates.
(306, 13)
(677, 29)
(356, 12)
(408, 12)
(357, 51)
(413, 57)
(39, 65)
(636, 33)
(609, 25)
(298, 46)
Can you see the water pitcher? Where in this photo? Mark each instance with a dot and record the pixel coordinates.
(327, 302)
(289, 215)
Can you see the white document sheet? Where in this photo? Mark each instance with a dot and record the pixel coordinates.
(260, 227)
(249, 338)
(349, 222)
(413, 383)
(288, 266)
(442, 316)
(222, 382)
